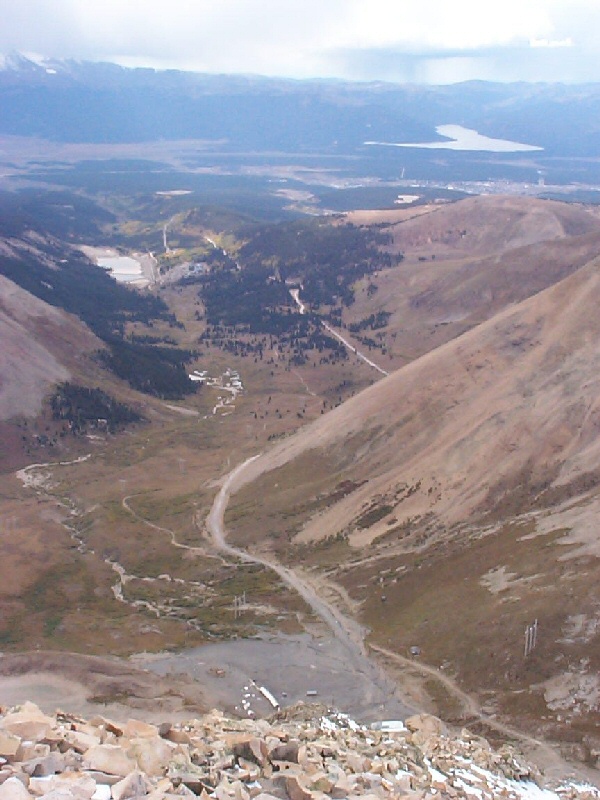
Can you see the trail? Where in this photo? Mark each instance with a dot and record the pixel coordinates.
(32, 477)
(377, 689)
(340, 627)
(171, 534)
(304, 383)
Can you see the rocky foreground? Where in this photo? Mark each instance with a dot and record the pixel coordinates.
(305, 753)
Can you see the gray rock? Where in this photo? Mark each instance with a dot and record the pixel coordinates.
(13, 789)
(285, 752)
(108, 758)
(136, 784)
(9, 745)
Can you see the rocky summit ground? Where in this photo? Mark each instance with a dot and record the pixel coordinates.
(304, 753)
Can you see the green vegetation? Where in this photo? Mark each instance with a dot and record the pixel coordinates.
(373, 515)
(321, 256)
(64, 277)
(84, 408)
(374, 321)
(63, 214)
(326, 258)
(159, 371)
(248, 298)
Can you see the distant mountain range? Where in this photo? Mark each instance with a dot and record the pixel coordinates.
(72, 101)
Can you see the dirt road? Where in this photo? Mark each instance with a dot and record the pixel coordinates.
(377, 689)
(295, 293)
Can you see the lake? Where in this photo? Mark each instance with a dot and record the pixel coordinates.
(465, 139)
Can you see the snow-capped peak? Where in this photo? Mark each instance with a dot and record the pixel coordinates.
(30, 64)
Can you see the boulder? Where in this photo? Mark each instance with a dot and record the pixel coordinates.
(28, 751)
(252, 749)
(136, 729)
(102, 724)
(287, 751)
(9, 745)
(151, 754)
(239, 791)
(174, 734)
(29, 723)
(358, 763)
(248, 770)
(108, 758)
(77, 784)
(41, 767)
(426, 724)
(14, 772)
(297, 789)
(265, 796)
(13, 789)
(62, 793)
(136, 784)
(320, 782)
(81, 741)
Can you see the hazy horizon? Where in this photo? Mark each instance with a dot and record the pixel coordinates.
(425, 42)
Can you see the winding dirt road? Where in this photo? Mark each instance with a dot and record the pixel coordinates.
(377, 688)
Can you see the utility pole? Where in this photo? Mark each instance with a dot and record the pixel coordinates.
(239, 603)
(530, 637)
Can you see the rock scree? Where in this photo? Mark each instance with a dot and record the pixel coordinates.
(306, 752)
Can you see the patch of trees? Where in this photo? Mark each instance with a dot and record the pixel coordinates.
(148, 339)
(59, 213)
(85, 408)
(65, 278)
(374, 322)
(159, 371)
(326, 258)
(303, 339)
(250, 298)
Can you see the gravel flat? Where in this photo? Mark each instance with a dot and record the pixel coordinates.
(289, 667)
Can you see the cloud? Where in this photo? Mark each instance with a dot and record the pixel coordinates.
(362, 39)
(568, 42)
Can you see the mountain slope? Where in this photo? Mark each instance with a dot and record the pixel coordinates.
(466, 482)
(526, 377)
(37, 349)
(466, 261)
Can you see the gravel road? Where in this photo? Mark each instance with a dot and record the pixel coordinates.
(360, 685)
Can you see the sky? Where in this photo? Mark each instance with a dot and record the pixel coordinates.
(418, 41)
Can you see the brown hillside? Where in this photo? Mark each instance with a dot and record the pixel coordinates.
(519, 392)
(465, 262)
(40, 347)
(482, 225)
(467, 482)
